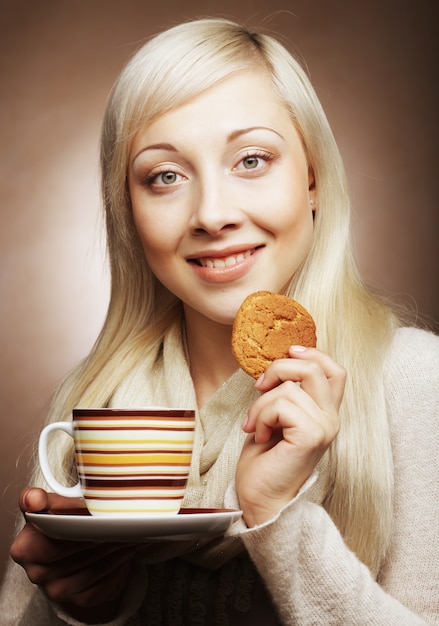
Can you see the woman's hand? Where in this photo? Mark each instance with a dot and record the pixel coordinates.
(86, 578)
(290, 427)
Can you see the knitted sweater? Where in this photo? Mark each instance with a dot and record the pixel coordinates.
(294, 569)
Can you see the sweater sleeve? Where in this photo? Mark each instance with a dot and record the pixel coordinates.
(311, 574)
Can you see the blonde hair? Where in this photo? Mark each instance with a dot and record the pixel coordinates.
(353, 325)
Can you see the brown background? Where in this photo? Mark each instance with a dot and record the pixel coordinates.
(374, 67)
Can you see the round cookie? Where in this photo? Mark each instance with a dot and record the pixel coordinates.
(266, 325)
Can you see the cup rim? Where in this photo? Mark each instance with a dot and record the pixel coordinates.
(134, 411)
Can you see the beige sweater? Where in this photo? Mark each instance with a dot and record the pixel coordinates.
(311, 576)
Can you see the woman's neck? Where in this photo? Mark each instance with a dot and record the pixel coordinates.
(210, 355)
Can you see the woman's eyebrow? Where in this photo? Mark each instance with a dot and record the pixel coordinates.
(156, 146)
(235, 134)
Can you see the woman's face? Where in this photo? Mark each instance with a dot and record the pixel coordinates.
(220, 190)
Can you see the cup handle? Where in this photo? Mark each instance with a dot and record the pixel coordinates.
(68, 492)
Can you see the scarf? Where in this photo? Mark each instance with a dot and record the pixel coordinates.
(166, 381)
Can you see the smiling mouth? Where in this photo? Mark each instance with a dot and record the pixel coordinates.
(228, 261)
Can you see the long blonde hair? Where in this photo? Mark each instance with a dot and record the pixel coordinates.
(353, 325)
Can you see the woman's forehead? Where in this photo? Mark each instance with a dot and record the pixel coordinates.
(244, 100)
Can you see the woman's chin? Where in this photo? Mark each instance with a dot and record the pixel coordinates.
(224, 313)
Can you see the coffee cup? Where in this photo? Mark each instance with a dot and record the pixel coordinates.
(131, 462)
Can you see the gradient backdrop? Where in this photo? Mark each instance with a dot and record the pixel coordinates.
(374, 66)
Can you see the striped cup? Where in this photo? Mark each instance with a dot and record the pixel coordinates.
(129, 461)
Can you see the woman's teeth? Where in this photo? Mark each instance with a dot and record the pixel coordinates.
(225, 261)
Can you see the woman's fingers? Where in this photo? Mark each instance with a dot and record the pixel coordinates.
(298, 393)
(297, 417)
(31, 547)
(77, 574)
(45, 558)
(310, 368)
(86, 577)
(34, 500)
(290, 427)
(92, 578)
(334, 373)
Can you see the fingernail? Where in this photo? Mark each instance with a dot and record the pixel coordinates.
(245, 422)
(297, 348)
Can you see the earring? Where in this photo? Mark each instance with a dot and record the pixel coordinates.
(312, 202)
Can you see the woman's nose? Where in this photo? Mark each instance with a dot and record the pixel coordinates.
(214, 209)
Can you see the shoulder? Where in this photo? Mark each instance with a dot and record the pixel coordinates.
(411, 371)
(413, 350)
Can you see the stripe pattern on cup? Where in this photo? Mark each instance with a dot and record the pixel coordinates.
(138, 467)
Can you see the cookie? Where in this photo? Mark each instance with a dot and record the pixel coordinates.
(266, 325)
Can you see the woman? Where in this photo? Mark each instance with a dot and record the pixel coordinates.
(220, 177)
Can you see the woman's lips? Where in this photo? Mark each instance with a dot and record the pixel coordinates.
(227, 261)
(221, 269)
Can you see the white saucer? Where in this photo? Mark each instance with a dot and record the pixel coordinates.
(188, 524)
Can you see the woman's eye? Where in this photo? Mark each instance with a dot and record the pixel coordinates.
(257, 161)
(167, 178)
(250, 162)
(164, 178)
